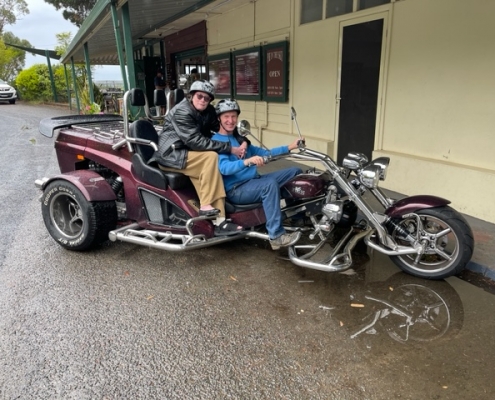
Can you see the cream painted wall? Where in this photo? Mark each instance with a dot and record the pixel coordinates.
(439, 123)
(440, 90)
(314, 73)
(470, 190)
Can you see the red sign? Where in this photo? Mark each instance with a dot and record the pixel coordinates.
(275, 74)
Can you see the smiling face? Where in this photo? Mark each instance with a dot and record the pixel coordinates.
(228, 121)
(200, 100)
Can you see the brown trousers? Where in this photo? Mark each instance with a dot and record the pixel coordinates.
(202, 169)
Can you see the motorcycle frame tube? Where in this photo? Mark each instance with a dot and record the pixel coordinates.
(165, 240)
(330, 166)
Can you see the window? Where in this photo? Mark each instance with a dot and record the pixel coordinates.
(220, 70)
(338, 7)
(200, 68)
(311, 10)
(363, 4)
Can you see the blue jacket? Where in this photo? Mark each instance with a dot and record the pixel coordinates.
(233, 169)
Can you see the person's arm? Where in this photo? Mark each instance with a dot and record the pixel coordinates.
(188, 131)
(227, 166)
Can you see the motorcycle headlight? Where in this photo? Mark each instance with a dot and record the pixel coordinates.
(354, 161)
(350, 164)
(370, 175)
(382, 162)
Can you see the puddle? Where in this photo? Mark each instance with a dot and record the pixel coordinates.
(437, 330)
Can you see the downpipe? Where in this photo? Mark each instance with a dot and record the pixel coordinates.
(341, 262)
(397, 251)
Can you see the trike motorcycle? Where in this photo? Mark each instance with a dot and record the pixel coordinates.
(107, 190)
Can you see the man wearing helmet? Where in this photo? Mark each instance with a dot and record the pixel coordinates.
(185, 144)
(242, 182)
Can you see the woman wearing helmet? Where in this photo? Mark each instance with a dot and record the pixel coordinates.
(184, 144)
(244, 185)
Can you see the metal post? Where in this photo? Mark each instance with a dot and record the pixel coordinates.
(74, 82)
(68, 87)
(52, 80)
(88, 73)
(126, 28)
(118, 39)
(162, 60)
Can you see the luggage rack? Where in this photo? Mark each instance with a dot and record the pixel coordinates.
(104, 130)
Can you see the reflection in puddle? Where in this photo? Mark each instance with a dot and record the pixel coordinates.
(408, 309)
(377, 304)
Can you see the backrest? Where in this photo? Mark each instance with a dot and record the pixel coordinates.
(159, 98)
(142, 129)
(174, 97)
(138, 98)
(179, 95)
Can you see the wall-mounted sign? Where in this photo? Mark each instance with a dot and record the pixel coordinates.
(247, 74)
(275, 80)
(219, 69)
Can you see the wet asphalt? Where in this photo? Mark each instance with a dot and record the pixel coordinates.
(237, 321)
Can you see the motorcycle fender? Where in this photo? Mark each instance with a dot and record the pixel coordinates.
(413, 203)
(92, 185)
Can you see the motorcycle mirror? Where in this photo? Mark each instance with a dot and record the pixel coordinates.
(293, 118)
(244, 127)
(293, 113)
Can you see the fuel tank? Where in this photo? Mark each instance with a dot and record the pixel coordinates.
(305, 186)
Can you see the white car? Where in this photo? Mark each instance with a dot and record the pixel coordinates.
(7, 92)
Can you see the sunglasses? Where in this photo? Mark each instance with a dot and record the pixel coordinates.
(204, 97)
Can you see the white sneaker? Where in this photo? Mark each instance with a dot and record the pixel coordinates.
(287, 239)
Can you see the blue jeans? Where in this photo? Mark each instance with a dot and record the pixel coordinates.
(265, 189)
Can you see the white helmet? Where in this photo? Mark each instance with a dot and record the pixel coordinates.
(225, 105)
(203, 86)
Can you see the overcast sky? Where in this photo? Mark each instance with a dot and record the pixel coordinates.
(41, 25)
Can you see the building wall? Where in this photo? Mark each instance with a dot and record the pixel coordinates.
(435, 114)
(439, 122)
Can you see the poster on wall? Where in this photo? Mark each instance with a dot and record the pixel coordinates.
(247, 74)
(275, 72)
(219, 68)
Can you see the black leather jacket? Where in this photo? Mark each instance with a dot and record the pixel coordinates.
(187, 129)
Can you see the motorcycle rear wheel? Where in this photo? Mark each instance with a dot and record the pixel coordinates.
(74, 222)
(449, 239)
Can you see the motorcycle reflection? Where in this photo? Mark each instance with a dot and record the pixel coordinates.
(405, 308)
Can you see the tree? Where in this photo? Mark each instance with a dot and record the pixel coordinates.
(34, 83)
(10, 10)
(74, 11)
(11, 58)
(63, 40)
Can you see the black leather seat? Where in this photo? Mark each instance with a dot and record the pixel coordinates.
(151, 174)
(235, 208)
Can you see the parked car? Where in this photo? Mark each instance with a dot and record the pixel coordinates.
(7, 92)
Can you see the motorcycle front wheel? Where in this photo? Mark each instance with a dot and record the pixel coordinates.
(448, 241)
